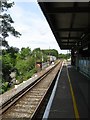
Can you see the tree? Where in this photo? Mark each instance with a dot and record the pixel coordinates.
(52, 52)
(9, 55)
(7, 65)
(38, 54)
(6, 21)
(64, 56)
(25, 52)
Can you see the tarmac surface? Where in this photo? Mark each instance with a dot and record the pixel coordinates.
(71, 96)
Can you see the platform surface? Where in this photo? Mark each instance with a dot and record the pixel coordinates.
(63, 105)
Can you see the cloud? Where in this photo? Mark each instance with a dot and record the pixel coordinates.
(31, 23)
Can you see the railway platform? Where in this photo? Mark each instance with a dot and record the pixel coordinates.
(71, 95)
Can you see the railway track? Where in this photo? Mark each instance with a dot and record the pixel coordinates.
(26, 105)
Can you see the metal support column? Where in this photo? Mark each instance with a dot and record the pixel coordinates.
(77, 60)
(72, 57)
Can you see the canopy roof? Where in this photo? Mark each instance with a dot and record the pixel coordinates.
(69, 22)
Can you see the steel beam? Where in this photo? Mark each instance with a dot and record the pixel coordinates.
(68, 10)
(71, 29)
(75, 38)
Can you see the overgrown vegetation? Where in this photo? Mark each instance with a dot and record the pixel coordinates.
(19, 62)
(64, 56)
(5, 28)
(22, 63)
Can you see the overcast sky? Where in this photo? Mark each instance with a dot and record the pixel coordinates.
(31, 23)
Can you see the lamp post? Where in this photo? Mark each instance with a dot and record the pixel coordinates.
(35, 59)
(42, 57)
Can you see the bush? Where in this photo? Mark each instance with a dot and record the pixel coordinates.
(4, 87)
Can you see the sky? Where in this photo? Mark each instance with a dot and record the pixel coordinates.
(32, 24)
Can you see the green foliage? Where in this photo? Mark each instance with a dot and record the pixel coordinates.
(4, 87)
(24, 67)
(0, 57)
(64, 56)
(37, 54)
(5, 5)
(9, 55)
(6, 21)
(36, 50)
(30, 73)
(21, 66)
(45, 58)
(7, 65)
(7, 61)
(52, 52)
(25, 52)
(22, 63)
(5, 43)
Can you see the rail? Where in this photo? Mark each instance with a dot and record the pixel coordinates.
(27, 91)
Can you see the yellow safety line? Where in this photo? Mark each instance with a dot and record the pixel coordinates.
(73, 98)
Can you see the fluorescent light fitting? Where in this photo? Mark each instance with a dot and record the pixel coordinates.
(86, 48)
(82, 35)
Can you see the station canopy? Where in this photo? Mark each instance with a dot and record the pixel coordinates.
(69, 22)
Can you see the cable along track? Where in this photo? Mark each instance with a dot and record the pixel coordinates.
(27, 105)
